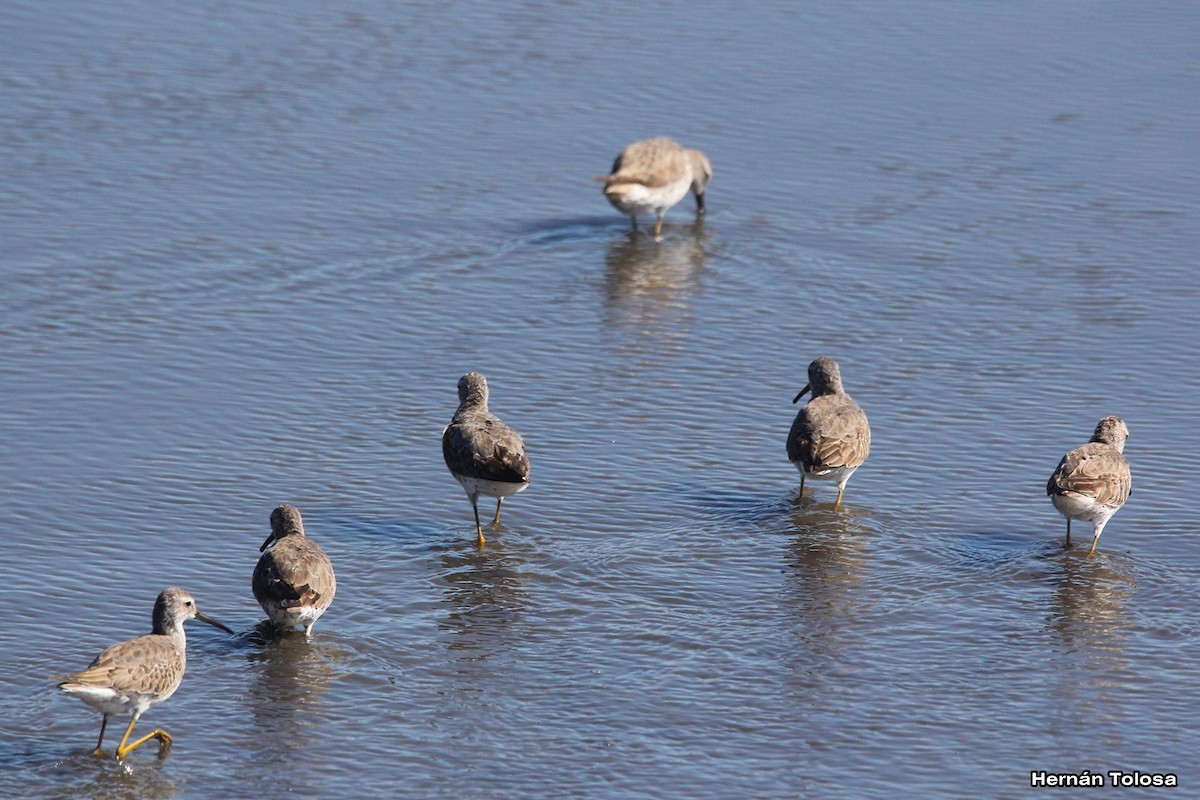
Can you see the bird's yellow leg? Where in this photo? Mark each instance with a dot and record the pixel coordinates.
(837, 504)
(121, 751)
(658, 228)
(496, 519)
(478, 528)
(1093, 550)
(164, 740)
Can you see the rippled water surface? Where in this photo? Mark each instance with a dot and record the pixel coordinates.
(247, 251)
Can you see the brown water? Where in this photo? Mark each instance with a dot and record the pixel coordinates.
(247, 253)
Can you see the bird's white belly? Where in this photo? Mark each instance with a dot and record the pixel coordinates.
(291, 617)
(477, 486)
(838, 475)
(635, 199)
(111, 701)
(1082, 507)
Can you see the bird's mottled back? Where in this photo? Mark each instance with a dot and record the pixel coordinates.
(483, 454)
(1093, 481)
(476, 444)
(150, 664)
(651, 162)
(831, 430)
(1097, 469)
(651, 176)
(294, 580)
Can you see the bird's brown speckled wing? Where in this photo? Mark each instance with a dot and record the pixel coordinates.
(652, 163)
(831, 431)
(294, 572)
(1096, 470)
(478, 445)
(146, 664)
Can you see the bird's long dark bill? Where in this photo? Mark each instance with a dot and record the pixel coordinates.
(270, 539)
(803, 392)
(213, 622)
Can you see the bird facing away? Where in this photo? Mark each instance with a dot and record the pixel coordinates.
(1093, 481)
(830, 437)
(652, 175)
(132, 676)
(486, 456)
(293, 581)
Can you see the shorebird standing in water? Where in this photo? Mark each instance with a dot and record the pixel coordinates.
(484, 455)
(132, 676)
(652, 175)
(830, 437)
(293, 581)
(1093, 481)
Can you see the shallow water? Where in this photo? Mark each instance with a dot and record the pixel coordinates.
(247, 253)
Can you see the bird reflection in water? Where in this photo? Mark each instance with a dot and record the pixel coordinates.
(828, 549)
(1090, 630)
(292, 676)
(826, 558)
(1087, 612)
(484, 597)
(647, 285)
(112, 779)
